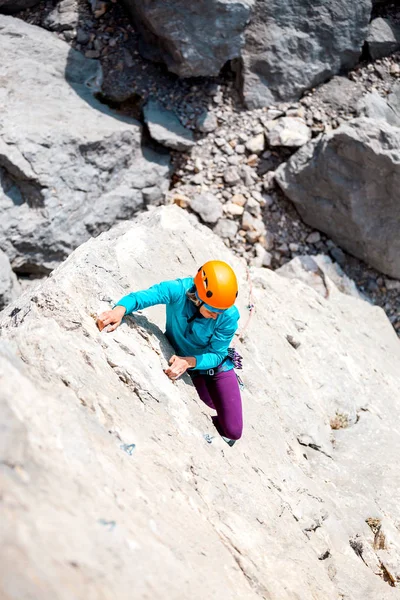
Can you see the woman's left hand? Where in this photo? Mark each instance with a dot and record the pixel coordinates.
(179, 365)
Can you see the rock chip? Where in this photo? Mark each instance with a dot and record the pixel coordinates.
(207, 122)
(313, 238)
(234, 210)
(345, 183)
(239, 199)
(193, 39)
(256, 145)
(291, 132)
(232, 176)
(226, 229)
(253, 224)
(165, 127)
(207, 206)
(69, 167)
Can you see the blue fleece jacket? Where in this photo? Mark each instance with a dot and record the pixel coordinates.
(207, 340)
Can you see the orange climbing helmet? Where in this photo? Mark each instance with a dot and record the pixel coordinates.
(216, 285)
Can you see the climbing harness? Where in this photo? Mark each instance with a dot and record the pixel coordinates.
(233, 354)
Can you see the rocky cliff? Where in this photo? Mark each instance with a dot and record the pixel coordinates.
(109, 488)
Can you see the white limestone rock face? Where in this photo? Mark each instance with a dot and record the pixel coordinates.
(9, 286)
(69, 167)
(289, 512)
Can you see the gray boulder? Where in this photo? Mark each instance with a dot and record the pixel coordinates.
(346, 184)
(9, 7)
(383, 38)
(292, 46)
(207, 206)
(192, 38)
(9, 286)
(165, 127)
(69, 167)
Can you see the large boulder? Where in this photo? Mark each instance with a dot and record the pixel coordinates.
(192, 38)
(104, 467)
(346, 184)
(12, 6)
(69, 167)
(293, 46)
(383, 38)
(9, 286)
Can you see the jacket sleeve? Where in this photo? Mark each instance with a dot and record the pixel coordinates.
(166, 292)
(218, 347)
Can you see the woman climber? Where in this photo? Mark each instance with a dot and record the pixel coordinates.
(201, 322)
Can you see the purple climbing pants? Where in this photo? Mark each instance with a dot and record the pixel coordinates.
(222, 393)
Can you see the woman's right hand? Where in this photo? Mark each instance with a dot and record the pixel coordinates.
(110, 319)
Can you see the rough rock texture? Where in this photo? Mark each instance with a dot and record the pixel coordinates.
(346, 184)
(207, 206)
(340, 93)
(9, 286)
(375, 107)
(292, 46)
(319, 272)
(165, 127)
(63, 17)
(383, 38)
(195, 38)
(291, 132)
(13, 6)
(69, 167)
(394, 99)
(289, 512)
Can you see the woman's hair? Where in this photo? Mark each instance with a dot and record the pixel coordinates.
(191, 294)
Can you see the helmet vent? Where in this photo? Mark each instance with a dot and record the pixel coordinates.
(209, 294)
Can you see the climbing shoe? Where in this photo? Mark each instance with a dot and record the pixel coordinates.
(228, 441)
